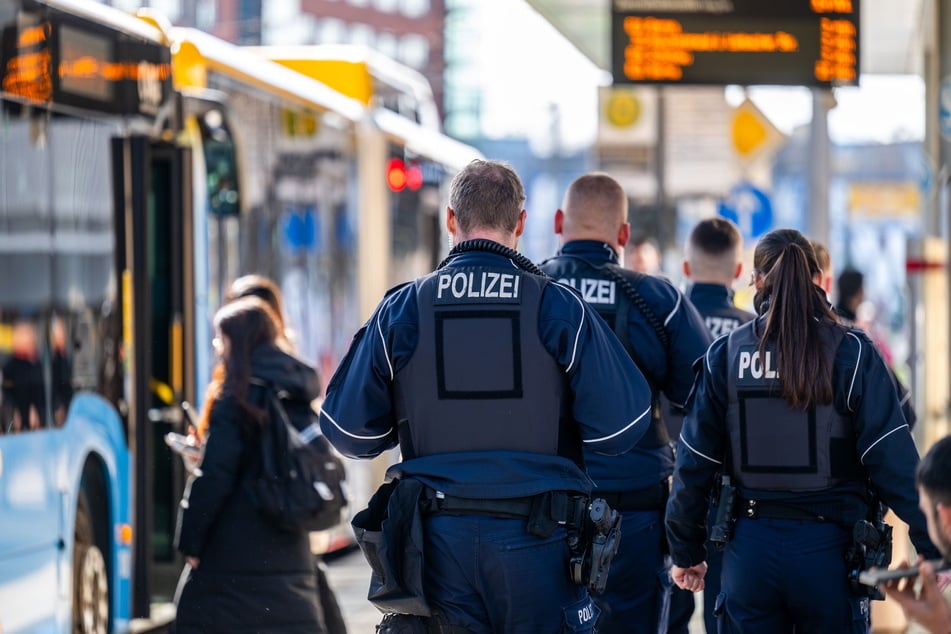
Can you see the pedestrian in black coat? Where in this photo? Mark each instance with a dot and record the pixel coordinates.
(247, 574)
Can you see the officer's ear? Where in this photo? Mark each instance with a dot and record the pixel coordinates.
(520, 226)
(738, 271)
(559, 222)
(624, 234)
(686, 269)
(450, 221)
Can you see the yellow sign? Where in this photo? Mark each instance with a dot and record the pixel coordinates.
(887, 199)
(751, 132)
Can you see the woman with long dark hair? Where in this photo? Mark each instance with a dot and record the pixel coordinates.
(800, 415)
(246, 573)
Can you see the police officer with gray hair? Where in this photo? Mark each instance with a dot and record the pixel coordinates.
(800, 413)
(491, 377)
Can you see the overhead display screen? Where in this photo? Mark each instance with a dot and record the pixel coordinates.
(785, 42)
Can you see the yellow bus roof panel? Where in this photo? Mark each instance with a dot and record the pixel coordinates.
(350, 78)
(196, 53)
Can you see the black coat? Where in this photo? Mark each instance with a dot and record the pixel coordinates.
(253, 576)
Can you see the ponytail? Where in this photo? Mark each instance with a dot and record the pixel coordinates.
(794, 315)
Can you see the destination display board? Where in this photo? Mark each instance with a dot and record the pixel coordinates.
(51, 56)
(783, 42)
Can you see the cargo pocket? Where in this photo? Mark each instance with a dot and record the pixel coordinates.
(581, 617)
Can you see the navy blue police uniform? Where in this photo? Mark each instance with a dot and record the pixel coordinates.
(715, 304)
(636, 482)
(490, 378)
(722, 316)
(803, 481)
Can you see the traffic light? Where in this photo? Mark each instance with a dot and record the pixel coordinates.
(401, 175)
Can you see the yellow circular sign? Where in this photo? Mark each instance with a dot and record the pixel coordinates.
(623, 109)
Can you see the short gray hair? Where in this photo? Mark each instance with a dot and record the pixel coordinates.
(487, 195)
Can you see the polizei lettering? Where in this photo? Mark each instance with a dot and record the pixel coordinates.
(750, 362)
(478, 285)
(585, 614)
(593, 291)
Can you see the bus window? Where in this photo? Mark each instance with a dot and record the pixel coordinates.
(220, 164)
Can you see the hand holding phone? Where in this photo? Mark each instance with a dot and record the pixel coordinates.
(874, 577)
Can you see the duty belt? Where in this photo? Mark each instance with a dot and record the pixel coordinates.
(652, 498)
(773, 509)
(544, 511)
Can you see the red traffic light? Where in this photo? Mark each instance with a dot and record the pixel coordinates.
(396, 174)
(399, 175)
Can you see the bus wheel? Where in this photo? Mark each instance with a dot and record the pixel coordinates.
(90, 577)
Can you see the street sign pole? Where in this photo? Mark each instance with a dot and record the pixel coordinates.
(819, 165)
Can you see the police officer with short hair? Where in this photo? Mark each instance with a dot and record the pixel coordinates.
(712, 262)
(802, 414)
(664, 335)
(491, 377)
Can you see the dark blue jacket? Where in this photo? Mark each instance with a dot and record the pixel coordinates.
(669, 370)
(358, 413)
(715, 303)
(862, 390)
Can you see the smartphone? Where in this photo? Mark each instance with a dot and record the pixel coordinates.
(182, 444)
(871, 578)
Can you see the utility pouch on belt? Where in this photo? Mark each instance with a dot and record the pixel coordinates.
(390, 534)
(721, 531)
(594, 545)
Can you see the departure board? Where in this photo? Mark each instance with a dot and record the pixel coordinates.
(785, 42)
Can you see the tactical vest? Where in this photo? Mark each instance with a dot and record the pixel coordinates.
(773, 446)
(480, 378)
(600, 289)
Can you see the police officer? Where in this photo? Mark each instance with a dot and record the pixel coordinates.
(664, 335)
(712, 262)
(802, 414)
(491, 377)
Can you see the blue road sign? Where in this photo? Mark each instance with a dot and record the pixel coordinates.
(750, 208)
(944, 109)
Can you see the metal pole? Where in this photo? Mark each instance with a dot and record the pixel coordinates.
(660, 163)
(819, 165)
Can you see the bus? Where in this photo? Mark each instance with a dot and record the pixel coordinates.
(142, 168)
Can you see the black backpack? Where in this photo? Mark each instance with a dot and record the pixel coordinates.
(300, 483)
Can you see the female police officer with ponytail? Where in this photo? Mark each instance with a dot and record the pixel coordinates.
(801, 414)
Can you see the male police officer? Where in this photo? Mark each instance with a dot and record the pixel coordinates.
(664, 335)
(712, 262)
(491, 377)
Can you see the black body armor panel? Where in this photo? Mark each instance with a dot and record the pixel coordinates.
(479, 366)
(773, 446)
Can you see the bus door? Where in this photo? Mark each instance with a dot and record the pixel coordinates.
(154, 247)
